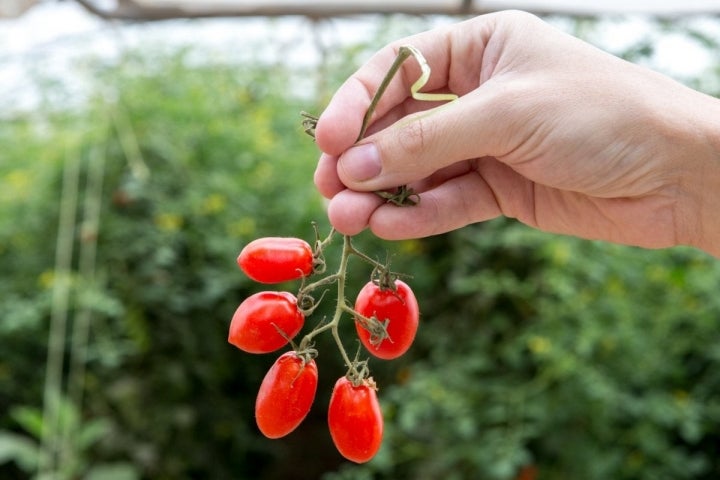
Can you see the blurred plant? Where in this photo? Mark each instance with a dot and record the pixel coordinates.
(76, 453)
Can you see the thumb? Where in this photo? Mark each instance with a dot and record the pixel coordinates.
(420, 144)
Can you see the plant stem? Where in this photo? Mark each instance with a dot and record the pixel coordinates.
(320, 283)
(403, 54)
(367, 259)
(340, 307)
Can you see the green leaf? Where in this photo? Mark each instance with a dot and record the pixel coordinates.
(20, 449)
(29, 418)
(92, 431)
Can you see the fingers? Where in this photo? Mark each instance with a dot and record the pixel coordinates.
(445, 208)
(339, 125)
(423, 143)
(349, 211)
(326, 179)
(440, 210)
(455, 55)
(490, 190)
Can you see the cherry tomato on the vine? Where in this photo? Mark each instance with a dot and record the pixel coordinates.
(396, 309)
(355, 420)
(276, 259)
(286, 395)
(259, 320)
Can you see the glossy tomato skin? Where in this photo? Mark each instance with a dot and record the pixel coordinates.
(399, 308)
(276, 259)
(254, 326)
(286, 395)
(355, 420)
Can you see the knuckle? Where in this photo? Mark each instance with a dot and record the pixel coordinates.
(414, 137)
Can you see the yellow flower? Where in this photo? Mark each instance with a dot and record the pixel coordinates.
(681, 397)
(46, 279)
(263, 134)
(411, 247)
(168, 222)
(243, 227)
(213, 203)
(16, 185)
(560, 252)
(539, 345)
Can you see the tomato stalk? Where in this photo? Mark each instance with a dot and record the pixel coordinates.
(402, 55)
(340, 307)
(357, 370)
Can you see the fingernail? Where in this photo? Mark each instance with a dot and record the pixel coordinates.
(361, 162)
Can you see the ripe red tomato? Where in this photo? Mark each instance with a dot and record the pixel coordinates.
(276, 259)
(285, 395)
(255, 324)
(355, 420)
(398, 308)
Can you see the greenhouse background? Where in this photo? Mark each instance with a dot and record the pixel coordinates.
(138, 157)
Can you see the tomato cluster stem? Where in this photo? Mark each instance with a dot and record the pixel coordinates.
(341, 307)
(339, 278)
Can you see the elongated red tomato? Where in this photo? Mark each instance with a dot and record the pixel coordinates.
(258, 321)
(355, 420)
(286, 395)
(399, 313)
(276, 259)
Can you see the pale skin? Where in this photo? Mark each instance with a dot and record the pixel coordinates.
(548, 130)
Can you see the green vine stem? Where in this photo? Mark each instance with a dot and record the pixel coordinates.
(356, 369)
(339, 278)
(403, 54)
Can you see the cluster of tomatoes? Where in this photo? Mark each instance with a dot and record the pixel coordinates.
(386, 318)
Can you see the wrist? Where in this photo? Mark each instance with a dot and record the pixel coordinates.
(699, 215)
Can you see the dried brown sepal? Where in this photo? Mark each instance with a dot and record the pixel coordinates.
(403, 196)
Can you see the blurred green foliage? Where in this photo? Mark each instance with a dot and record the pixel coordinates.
(579, 358)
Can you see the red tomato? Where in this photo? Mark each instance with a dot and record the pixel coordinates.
(355, 420)
(276, 259)
(285, 395)
(398, 310)
(255, 324)
(528, 472)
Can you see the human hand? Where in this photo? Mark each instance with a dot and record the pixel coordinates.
(547, 129)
